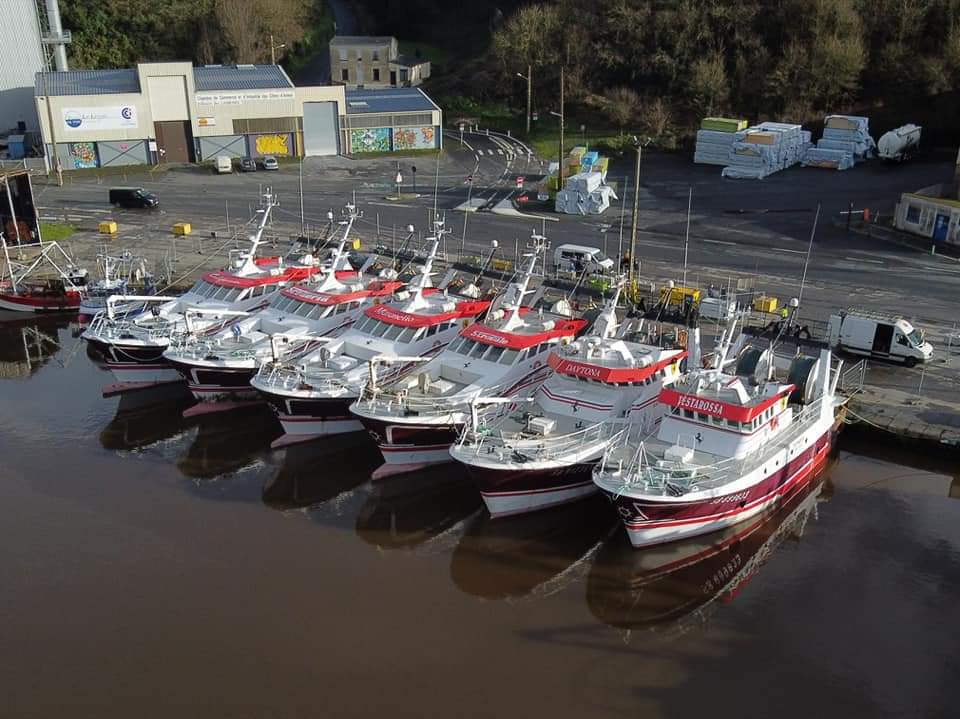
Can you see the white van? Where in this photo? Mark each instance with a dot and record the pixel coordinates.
(577, 258)
(875, 335)
(224, 164)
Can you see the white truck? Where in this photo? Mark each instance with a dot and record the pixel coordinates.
(877, 335)
(577, 258)
(898, 144)
(224, 164)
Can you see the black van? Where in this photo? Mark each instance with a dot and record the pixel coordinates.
(132, 197)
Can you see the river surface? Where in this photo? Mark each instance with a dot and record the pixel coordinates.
(152, 566)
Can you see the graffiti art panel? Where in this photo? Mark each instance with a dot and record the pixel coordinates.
(374, 139)
(414, 138)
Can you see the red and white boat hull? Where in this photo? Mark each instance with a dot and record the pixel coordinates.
(69, 302)
(518, 491)
(650, 521)
(412, 444)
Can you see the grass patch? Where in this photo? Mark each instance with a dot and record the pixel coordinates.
(56, 232)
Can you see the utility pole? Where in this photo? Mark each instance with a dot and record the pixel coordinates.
(301, 196)
(560, 157)
(529, 78)
(636, 212)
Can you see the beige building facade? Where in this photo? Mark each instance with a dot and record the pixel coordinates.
(374, 62)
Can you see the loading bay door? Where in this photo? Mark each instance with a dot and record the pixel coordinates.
(321, 130)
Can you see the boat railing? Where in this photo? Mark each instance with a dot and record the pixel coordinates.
(491, 439)
(120, 326)
(629, 462)
(408, 401)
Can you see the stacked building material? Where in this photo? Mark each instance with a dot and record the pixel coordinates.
(715, 138)
(584, 194)
(766, 148)
(830, 159)
(848, 133)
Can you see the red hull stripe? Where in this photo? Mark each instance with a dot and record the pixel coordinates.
(486, 335)
(716, 408)
(611, 375)
(544, 490)
(704, 519)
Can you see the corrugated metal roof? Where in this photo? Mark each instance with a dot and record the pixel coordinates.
(211, 77)
(240, 77)
(87, 82)
(403, 99)
(361, 40)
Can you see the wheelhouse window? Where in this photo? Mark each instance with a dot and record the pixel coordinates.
(509, 356)
(494, 354)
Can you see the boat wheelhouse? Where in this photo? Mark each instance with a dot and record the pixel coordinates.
(416, 418)
(132, 347)
(312, 392)
(732, 444)
(529, 456)
(297, 320)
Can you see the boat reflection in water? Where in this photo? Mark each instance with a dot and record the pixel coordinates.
(146, 417)
(514, 556)
(412, 510)
(229, 441)
(316, 472)
(665, 588)
(28, 343)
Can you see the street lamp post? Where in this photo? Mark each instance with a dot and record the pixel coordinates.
(560, 115)
(529, 78)
(273, 50)
(636, 210)
(413, 169)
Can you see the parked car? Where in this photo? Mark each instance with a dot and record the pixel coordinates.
(133, 197)
(248, 164)
(224, 164)
(270, 163)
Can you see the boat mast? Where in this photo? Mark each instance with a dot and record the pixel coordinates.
(520, 287)
(249, 266)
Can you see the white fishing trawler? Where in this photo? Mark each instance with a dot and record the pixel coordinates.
(118, 274)
(530, 456)
(416, 418)
(312, 392)
(734, 443)
(132, 347)
(298, 319)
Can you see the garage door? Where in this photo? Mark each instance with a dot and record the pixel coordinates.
(231, 145)
(320, 128)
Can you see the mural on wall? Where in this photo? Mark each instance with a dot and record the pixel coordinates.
(273, 144)
(414, 138)
(374, 139)
(83, 155)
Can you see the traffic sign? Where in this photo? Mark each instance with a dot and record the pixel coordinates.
(519, 182)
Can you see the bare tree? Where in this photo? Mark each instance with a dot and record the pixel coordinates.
(239, 21)
(621, 105)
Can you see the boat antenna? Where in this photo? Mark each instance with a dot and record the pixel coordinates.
(806, 262)
(686, 241)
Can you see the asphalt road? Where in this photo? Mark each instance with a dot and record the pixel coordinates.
(748, 230)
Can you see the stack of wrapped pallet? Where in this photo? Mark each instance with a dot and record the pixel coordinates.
(715, 138)
(764, 149)
(846, 140)
(584, 194)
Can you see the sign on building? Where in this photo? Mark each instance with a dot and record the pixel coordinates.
(85, 119)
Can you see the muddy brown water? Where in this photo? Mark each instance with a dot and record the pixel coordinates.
(152, 566)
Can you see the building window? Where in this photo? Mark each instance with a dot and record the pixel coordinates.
(913, 214)
(376, 55)
(345, 75)
(403, 75)
(376, 74)
(343, 54)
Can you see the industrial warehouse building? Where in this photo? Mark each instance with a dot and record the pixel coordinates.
(174, 112)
